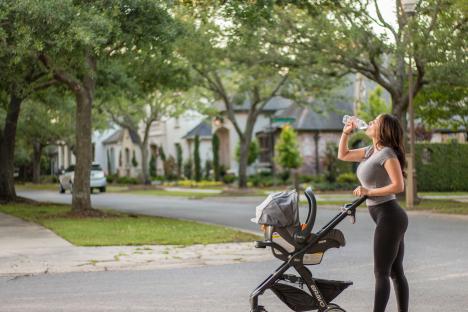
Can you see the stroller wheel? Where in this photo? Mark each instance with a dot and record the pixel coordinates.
(259, 309)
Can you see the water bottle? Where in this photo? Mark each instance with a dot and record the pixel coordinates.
(361, 124)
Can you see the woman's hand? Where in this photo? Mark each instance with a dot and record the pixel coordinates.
(360, 191)
(350, 125)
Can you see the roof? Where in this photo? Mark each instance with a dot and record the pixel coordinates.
(117, 136)
(316, 116)
(274, 104)
(203, 129)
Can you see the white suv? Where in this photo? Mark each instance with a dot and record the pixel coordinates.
(98, 179)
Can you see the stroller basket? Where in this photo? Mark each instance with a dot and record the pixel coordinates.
(298, 300)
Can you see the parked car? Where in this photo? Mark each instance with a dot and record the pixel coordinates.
(98, 179)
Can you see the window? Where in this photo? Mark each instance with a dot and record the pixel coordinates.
(264, 140)
(127, 156)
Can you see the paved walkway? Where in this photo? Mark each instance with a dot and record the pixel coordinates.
(27, 248)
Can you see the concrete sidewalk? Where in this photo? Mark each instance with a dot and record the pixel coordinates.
(27, 248)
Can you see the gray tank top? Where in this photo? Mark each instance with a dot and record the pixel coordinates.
(372, 174)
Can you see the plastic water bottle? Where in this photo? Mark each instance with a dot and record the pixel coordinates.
(361, 124)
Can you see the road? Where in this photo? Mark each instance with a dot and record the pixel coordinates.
(436, 263)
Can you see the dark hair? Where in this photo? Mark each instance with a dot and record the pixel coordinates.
(391, 135)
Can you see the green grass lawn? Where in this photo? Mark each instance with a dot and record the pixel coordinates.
(123, 229)
(38, 187)
(194, 195)
(443, 193)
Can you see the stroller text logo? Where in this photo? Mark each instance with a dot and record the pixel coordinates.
(318, 296)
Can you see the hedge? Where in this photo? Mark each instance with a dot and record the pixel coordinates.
(442, 166)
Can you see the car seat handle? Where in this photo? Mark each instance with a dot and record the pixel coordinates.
(302, 234)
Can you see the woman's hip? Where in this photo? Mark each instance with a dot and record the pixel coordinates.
(389, 213)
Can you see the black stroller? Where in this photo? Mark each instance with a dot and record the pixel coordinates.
(297, 246)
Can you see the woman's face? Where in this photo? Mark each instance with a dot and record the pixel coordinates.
(374, 128)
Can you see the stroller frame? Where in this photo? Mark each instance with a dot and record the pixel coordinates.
(295, 260)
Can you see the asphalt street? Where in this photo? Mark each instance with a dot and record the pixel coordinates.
(436, 264)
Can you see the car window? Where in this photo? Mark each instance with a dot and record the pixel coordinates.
(70, 169)
(96, 168)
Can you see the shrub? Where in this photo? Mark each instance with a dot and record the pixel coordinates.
(442, 166)
(188, 169)
(196, 159)
(112, 178)
(179, 159)
(306, 178)
(208, 168)
(216, 166)
(152, 166)
(229, 178)
(126, 180)
(347, 177)
(48, 179)
(170, 168)
(203, 183)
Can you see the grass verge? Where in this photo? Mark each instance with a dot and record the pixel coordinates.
(192, 195)
(114, 228)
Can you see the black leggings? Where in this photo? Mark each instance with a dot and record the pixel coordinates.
(391, 221)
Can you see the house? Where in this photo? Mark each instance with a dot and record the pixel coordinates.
(172, 131)
(315, 129)
(225, 129)
(447, 135)
(122, 153)
(204, 132)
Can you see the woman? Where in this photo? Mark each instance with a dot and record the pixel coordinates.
(380, 173)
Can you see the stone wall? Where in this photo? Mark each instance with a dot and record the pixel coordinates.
(307, 147)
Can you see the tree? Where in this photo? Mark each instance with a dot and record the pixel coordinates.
(188, 169)
(232, 65)
(208, 167)
(77, 38)
(143, 114)
(351, 39)
(179, 159)
(287, 153)
(374, 106)
(46, 118)
(215, 147)
(443, 104)
(254, 151)
(196, 159)
(21, 77)
(152, 166)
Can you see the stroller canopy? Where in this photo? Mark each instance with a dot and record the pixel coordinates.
(279, 209)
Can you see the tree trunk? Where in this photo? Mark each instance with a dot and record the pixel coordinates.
(245, 148)
(37, 153)
(144, 163)
(81, 199)
(243, 161)
(7, 150)
(399, 109)
(295, 173)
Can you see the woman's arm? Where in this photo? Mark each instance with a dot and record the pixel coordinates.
(397, 185)
(343, 152)
(349, 155)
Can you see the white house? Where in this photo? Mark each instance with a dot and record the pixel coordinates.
(122, 154)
